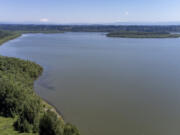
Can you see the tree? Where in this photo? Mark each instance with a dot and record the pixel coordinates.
(28, 119)
(11, 98)
(70, 129)
(50, 124)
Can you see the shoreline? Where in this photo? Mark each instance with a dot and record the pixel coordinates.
(44, 101)
(54, 108)
(4, 40)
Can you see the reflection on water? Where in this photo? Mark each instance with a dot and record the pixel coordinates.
(106, 85)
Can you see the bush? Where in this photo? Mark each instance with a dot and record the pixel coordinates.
(50, 124)
(29, 117)
(11, 98)
(70, 129)
(23, 125)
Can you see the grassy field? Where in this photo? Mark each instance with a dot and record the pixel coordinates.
(7, 128)
(134, 34)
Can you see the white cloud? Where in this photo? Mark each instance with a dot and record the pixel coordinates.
(44, 20)
(126, 13)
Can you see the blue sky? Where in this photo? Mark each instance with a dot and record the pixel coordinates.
(89, 11)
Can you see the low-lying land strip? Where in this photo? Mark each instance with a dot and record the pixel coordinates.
(6, 36)
(134, 34)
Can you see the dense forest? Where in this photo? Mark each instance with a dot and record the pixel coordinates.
(87, 28)
(19, 101)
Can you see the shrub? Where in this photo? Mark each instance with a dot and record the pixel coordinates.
(28, 119)
(50, 124)
(23, 125)
(70, 129)
(11, 98)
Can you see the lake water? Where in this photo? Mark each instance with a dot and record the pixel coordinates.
(107, 86)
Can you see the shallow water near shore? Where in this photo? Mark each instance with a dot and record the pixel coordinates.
(107, 86)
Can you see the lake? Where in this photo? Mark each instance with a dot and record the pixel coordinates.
(107, 86)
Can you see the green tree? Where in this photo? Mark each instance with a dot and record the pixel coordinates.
(29, 117)
(70, 129)
(50, 124)
(11, 98)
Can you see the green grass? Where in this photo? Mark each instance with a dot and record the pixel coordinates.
(7, 128)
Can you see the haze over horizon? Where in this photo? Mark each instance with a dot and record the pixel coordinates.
(90, 12)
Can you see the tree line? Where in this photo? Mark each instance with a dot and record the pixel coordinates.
(88, 28)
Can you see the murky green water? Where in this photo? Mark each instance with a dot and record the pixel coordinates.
(107, 86)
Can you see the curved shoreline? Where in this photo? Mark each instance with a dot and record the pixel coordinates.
(6, 39)
(53, 108)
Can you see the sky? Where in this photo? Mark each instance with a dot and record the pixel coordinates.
(89, 11)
